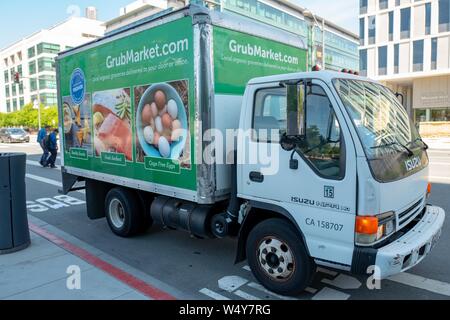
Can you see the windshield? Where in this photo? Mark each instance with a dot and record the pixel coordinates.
(16, 131)
(388, 136)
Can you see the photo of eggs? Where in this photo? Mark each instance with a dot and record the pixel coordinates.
(77, 124)
(162, 122)
(112, 122)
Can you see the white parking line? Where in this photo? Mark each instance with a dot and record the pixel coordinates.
(413, 280)
(326, 271)
(259, 287)
(343, 281)
(245, 295)
(330, 294)
(44, 180)
(48, 181)
(213, 295)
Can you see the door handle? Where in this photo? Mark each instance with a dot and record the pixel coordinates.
(256, 177)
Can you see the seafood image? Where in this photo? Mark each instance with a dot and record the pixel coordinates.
(112, 122)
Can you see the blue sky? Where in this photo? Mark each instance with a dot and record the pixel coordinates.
(22, 18)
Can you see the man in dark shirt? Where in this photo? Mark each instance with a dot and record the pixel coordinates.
(41, 140)
(52, 146)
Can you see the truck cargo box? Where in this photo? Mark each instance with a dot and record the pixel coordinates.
(135, 104)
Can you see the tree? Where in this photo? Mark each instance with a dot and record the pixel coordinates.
(28, 117)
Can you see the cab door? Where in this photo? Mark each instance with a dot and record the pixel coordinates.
(316, 182)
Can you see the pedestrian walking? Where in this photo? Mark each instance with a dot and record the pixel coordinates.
(41, 138)
(52, 146)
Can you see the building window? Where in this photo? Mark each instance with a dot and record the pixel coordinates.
(391, 25)
(362, 6)
(46, 64)
(363, 62)
(33, 84)
(6, 62)
(7, 91)
(362, 30)
(396, 58)
(21, 88)
(22, 103)
(382, 61)
(31, 52)
(14, 105)
(428, 18)
(14, 90)
(47, 82)
(48, 48)
(6, 74)
(434, 46)
(8, 106)
(383, 4)
(418, 55)
(19, 70)
(444, 15)
(432, 115)
(12, 72)
(49, 99)
(32, 67)
(405, 24)
(372, 30)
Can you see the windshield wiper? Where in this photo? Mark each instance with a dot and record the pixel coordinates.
(425, 146)
(395, 143)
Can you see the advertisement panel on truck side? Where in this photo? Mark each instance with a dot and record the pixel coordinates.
(128, 105)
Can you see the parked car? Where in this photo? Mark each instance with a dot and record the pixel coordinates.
(14, 135)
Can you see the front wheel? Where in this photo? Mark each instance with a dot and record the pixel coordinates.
(278, 257)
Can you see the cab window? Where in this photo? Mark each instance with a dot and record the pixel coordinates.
(322, 146)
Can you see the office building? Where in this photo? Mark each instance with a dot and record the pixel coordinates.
(34, 59)
(406, 44)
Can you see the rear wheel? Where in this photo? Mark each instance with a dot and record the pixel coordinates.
(278, 257)
(124, 213)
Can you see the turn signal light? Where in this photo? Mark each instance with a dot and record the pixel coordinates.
(367, 225)
(429, 189)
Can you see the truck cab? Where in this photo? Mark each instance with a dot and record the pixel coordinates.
(346, 184)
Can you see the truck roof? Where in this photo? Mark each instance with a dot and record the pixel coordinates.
(326, 76)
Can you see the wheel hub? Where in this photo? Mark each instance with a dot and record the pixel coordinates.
(117, 214)
(276, 259)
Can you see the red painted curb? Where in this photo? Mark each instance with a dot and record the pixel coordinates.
(124, 277)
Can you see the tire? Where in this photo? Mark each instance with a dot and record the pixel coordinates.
(278, 257)
(124, 213)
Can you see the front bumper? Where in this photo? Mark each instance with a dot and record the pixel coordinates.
(405, 252)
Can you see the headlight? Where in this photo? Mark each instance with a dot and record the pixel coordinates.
(372, 229)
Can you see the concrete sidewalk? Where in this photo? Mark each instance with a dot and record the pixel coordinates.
(44, 271)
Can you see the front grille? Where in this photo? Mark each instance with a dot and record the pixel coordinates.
(409, 214)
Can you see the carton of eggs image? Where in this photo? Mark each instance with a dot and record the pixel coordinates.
(160, 124)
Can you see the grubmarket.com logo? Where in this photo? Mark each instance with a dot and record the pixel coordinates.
(259, 52)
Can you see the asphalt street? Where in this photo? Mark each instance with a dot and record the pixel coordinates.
(204, 269)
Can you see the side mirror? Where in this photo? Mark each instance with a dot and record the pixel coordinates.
(296, 110)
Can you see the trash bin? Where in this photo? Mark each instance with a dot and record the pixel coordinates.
(14, 232)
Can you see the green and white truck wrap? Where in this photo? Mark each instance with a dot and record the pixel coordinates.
(118, 78)
(321, 168)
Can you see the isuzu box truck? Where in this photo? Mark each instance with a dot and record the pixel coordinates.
(206, 122)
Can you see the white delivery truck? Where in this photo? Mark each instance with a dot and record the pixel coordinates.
(321, 168)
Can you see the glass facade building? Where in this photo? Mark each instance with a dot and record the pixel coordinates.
(341, 51)
(405, 44)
